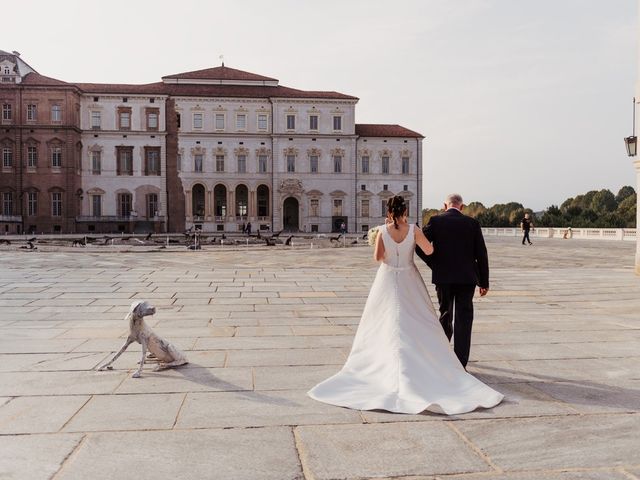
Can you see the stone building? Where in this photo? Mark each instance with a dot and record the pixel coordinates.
(41, 147)
(212, 149)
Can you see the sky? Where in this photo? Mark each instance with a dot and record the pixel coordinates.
(518, 100)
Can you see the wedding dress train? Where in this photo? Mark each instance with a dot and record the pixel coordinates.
(401, 360)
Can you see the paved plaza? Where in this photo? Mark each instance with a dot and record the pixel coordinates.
(558, 334)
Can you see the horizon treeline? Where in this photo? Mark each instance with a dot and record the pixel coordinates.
(594, 209)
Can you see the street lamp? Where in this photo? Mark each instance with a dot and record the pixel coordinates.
(632, 142)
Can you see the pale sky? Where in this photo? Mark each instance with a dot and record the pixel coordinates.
(519, 100)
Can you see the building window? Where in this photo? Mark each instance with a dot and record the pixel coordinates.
(32, 157)
(313, 122)
(291, 122)
(197, 121)
(197, 162)
(242, 164)
(405, 188)
(32, 112)
(363, 187)
(337, 123)
(152, 118)
(408, 205)
(56, 157)
(32, 204)
(291, 163)
(124, 118)
(152, 161)
(125, 160)
(385, 187)
(241, 121)
(96, 120)
(364, 163)
(124, 204)
(7, 114)
(313, 163)
(7, 157)
(385, 165)
(7, 203)
(337, 164)
(364, 228)
(219, 121)
(337, 207)
(263, 122)
(178, 120)
(56, 204)
(263, 200)
(405, 165)
(383, 208)
(219, 163)
(314, 207)
(96, 161)
(96, 205)
(152, 205)
(262, 163)
(364, 208)
(56, 113)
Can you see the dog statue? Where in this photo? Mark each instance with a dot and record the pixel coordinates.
(166, 354)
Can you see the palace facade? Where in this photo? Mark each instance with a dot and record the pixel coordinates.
(211, 149)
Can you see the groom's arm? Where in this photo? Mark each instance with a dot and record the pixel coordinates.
(428, 232)
(482, 259)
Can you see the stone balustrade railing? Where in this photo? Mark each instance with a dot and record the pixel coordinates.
(573, 233)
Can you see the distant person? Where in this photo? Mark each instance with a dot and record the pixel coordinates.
(244, 227)
(567, 233)
(249, 228)
(343, 228)
(526, 225)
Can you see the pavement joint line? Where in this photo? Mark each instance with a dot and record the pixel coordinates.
(69, 456)
(477, 450)
(175, 421)
(627, 474)
(76, 413)
(301, 454)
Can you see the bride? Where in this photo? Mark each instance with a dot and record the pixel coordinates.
(401, 360)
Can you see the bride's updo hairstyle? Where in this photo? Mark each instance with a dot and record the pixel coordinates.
(397, 207)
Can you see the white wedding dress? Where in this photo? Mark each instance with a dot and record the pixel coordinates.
(401, 360)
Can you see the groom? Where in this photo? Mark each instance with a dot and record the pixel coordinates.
(459, 262)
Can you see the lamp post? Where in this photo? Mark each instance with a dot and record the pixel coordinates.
(632, 149)
(632, 142)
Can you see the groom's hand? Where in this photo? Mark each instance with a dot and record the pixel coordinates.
(483, 291)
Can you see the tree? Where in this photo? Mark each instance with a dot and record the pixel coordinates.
(603, 201)
(427, 213)
(627, 211)
(624, 192)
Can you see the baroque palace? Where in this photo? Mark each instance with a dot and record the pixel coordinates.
(211, 149)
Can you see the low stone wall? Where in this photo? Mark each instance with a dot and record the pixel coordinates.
(628, 234)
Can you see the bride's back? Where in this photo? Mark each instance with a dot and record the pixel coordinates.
(399, 244)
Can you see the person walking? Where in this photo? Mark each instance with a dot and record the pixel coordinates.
(526, 225)
(458, 264)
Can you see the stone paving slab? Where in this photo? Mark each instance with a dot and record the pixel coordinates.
(127, 412)
(259, 409)
(39, 414)
(34, 457)
(236, 454)
(360, 451)
(560, 442)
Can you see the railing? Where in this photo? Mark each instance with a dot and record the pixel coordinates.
(116, 218)
(10, 218)
(628, 234)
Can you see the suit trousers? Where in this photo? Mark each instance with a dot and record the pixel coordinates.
(456, 316)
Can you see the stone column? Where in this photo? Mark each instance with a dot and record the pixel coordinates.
(637, 165)
(208, 205)
(231, 204)
(253, 206)
(188, 203)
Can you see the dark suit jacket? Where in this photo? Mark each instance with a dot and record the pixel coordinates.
(459, 253)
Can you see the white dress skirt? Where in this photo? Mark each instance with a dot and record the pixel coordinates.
(401, 360)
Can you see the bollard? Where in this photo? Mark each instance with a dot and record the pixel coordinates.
(311, 247)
